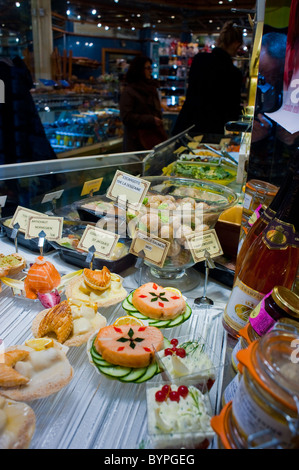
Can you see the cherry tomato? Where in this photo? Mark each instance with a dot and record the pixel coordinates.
(159, 396)
(183, 391)
(166, 389)
(174, 342)
(168, 352)
(174, 396)
(181, 352)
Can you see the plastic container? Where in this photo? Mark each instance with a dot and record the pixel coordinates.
(264, 412)
(199, 366)
(247, 336)
(178, 421)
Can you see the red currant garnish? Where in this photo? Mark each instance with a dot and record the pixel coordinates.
(168, 352)
(183, 391)
(159, 396)
(166, 389)
(174, 396)
(181, 352)
(174, 342)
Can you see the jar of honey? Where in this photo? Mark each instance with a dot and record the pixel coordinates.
(264, 412)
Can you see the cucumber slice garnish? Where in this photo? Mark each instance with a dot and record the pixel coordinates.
(159, 323)
(152, 370)
(134, 374)
(137, 314)
(127, 306)
(187, 313)
(115, 371)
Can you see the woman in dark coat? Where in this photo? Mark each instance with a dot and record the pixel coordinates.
(140, 108)
(214, 87)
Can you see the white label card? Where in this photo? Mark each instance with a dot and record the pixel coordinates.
(52, 226)
(155, 249)
(21, 216)
(127, 188)
(51, 196)
(103, 241)
(2, 201)
(207, 240)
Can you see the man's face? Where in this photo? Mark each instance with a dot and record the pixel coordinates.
(270, 68)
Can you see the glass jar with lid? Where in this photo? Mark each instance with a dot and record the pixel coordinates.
(264, 412)
(280, 303)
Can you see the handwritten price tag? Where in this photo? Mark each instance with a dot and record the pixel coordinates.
(52, 226)
(207, 240)
(128, 188)
(103, 241)
(153, 249)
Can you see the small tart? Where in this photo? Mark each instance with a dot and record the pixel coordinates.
(77, 289)
(17, 424)
(11, 264)
(46, 371)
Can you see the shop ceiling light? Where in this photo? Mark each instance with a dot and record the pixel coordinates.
(18, 4)
(94, 11)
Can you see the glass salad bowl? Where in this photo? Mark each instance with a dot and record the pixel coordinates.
(176, 208)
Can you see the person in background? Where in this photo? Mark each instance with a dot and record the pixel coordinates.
(214, 86)
(271, 144)
(140, 108)
(22, 135)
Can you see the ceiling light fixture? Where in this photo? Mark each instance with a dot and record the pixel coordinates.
(18, 4)
(94, 11)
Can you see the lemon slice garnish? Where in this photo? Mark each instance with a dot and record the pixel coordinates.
(179, 368)
(39, 343)
(128, 320)
(174, 290)
(67, 277)
(15, 283)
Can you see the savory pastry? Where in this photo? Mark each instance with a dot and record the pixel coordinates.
(17, 424)
(71, 322)
(156, 302)
(94, 290)
(129, 345)
(40, 371)
(42, 278)
(98, 280)
(58, 320)
(11, 264)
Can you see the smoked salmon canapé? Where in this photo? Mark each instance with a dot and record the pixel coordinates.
(42, 278)
(156, 302)
(129, 345)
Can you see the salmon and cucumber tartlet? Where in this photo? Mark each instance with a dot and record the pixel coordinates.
(162, 307)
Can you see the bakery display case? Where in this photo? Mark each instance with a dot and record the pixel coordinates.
(80, 123)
